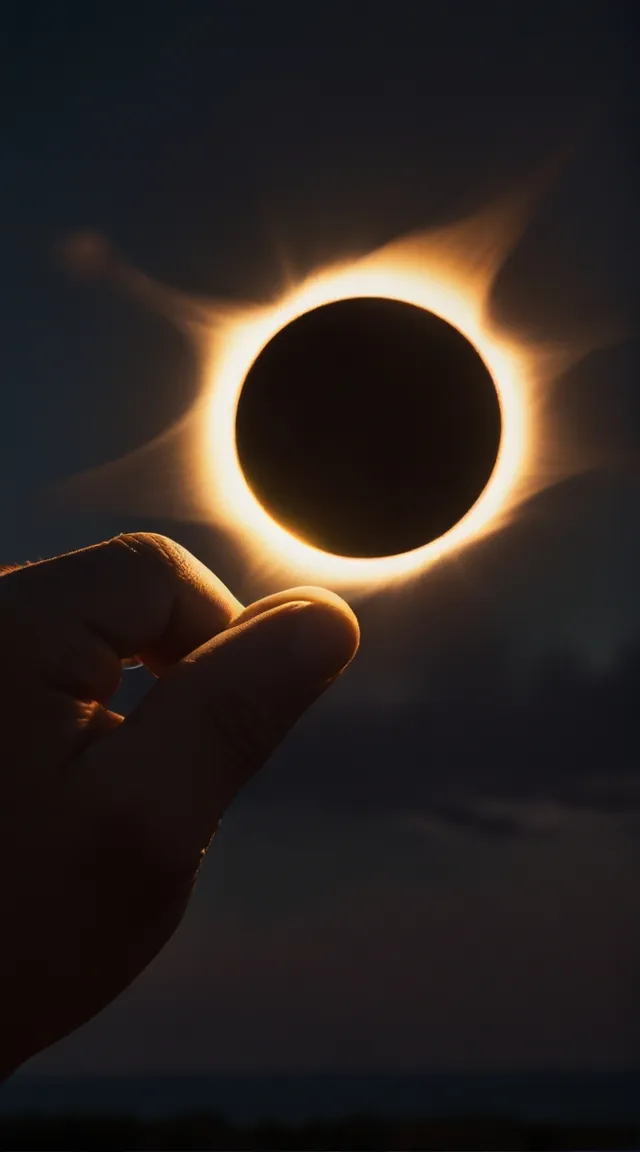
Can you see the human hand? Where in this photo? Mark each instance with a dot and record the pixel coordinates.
(104, 821)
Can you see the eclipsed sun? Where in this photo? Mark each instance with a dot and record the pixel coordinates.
(240, 464)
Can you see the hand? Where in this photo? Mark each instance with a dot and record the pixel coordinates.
(104, 821)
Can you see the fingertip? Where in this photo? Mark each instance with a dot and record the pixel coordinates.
(306, 593)
(327, 633)
(330, 626)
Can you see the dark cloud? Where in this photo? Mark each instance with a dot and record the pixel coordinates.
(483, 747)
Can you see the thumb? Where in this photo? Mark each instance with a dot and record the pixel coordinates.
(208, 725)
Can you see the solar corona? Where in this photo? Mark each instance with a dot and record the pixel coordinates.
(359, 423)
(366, 424)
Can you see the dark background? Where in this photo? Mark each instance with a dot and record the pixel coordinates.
(438, 870)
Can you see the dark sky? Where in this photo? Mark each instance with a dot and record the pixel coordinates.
(438, 869)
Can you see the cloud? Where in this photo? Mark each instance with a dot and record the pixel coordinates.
(480, 749)
(496, 818)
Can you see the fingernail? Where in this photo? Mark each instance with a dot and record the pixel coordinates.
(324, 639)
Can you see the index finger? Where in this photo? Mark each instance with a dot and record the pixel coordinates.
(141, 593)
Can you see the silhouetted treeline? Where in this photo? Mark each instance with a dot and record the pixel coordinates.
(205, 1132)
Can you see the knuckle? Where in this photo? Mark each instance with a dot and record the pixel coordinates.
(161, 553)
(150, 545)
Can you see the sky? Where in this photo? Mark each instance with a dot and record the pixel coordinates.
(436, 870)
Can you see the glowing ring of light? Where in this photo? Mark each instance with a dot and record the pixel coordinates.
(233, 353)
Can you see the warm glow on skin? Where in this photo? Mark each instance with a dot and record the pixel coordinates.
(456, 299)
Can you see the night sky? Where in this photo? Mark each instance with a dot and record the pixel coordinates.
(438, 868)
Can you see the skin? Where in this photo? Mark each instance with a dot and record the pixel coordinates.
(105, 821)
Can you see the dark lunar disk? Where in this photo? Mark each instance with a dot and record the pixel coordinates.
(368, 427)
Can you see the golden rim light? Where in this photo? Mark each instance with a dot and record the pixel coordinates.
(454, 298)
